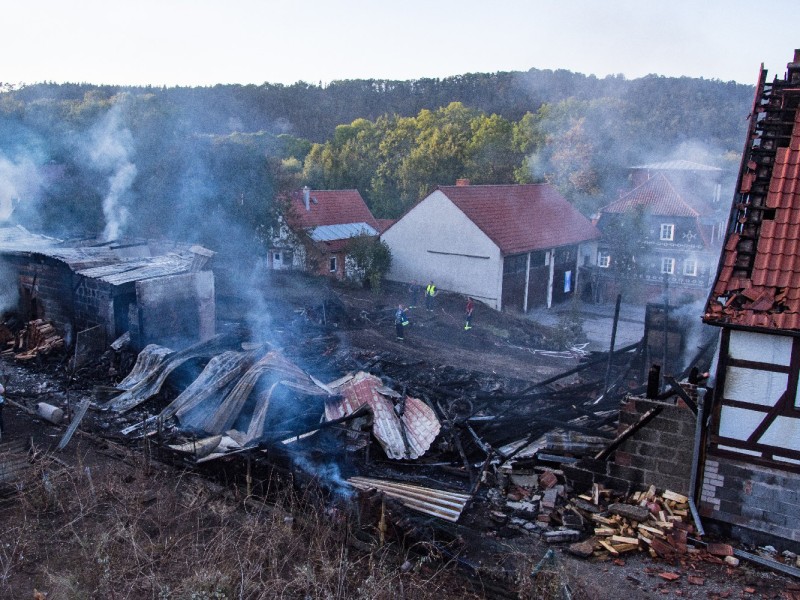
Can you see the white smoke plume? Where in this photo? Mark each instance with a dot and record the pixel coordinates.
(110, 151)
(20, 181)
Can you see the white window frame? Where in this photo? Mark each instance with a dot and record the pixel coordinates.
(667, 233)
(667, 266)
(332, 264)
(690, 267)
(603, 259)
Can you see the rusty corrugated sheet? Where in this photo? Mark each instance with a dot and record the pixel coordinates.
(439, 503)
(409, 435)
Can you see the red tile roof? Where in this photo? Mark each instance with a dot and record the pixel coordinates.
(329, 207)
(770, 297)
(662, 196)
(522, 218)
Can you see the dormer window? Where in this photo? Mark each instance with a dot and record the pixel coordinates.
(667, 232)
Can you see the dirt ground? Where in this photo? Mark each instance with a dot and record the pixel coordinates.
(511, 351)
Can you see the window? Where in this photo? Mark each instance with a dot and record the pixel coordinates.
(690, 267)
(603, 259)
(276, 257)
(668, 266)
(667, 232)
(333, 264)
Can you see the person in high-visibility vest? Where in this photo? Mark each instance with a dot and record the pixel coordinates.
(430, 292)
(400, 322)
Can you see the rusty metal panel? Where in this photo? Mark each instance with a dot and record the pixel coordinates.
(405, 427)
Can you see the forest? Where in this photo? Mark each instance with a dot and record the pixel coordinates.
(207, 164)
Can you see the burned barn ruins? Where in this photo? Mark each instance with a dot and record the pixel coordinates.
(94, 292)
(482, 445)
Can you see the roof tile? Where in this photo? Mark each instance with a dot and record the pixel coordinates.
(522, 218)
(660, 195)
(329, 207)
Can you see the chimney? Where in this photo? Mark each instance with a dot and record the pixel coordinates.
(462, 182)
(306, 197)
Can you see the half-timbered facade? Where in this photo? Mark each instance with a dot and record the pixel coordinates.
(751, 477)
(664, 232)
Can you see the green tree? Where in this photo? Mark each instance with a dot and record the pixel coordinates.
(369, 259)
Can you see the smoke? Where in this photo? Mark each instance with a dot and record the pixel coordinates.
(110, 150)
(327, 475)
(9, 293)
(695, 332)
(20, 181)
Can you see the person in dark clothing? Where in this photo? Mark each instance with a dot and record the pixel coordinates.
(414, 289)
(468, 314)
(430, 292)
(400, 322)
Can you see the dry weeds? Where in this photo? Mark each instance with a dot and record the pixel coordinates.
(79, 532)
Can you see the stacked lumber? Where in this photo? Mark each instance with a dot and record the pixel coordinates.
(647, 521)
(36, 338)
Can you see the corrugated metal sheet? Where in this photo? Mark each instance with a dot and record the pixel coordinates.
(140, 269)
(115, 264)
(19, 239)
(439, 503)
(344, 231)
(409, 435)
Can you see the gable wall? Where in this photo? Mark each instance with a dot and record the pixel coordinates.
(436, 241)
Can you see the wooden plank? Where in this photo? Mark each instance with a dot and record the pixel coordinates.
(609, 547)
(624, 539)
(669, 495)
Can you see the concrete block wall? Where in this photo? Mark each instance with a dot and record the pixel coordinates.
(93, 304)
(52, 288)
(660, 453)
(762, 503)
(176, 311)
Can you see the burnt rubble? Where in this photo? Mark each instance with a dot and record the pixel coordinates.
(428, 453)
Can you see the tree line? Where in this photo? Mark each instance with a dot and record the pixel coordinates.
(209, 161)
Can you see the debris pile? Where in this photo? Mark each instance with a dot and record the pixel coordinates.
(38, 337)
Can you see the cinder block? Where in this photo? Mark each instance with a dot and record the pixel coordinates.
(634, 476)
(677, 469)
(622, 458)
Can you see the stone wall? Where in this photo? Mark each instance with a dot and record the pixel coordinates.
(761, 503)
(660, 453)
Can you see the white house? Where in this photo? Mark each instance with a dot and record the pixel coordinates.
(316, 229)
(509, 246)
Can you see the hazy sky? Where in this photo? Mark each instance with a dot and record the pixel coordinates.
(204, 42)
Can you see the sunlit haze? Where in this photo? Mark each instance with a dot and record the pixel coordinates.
(206, 42)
